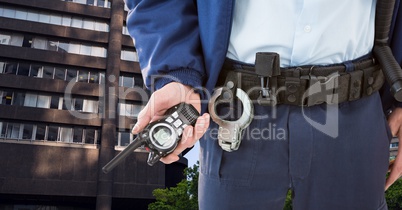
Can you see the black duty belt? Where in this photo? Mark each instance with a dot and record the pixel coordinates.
(268, 84)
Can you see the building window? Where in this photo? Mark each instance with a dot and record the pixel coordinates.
(35, 100)
(82, 76)
(131, 81)
(17, 40)
(8, 12)
(99, 3)
(99, 26)
(102, 78)
(3, 129)
(90, 136)
(27, 132)
(52, 132)
(90, 106)
(71, 75)
(138, 81)
(60, 73)
(54, 19)
(43, 101)
(76, 22)
(33, 16)
(125, 81)
(129, 110)
(65, 135)
(85, 50)
(98, 51)
(21, 14)
(52, 45)
(36, 71)
(11, 68)
(129, 55)
(30, 99)
(44, 18)
(66, 20)
(124, 138)
(78, 135)
(18, 99)
(13, 131)
(55, 102)
(6, 97)
(394, 145)
(2, 67)
(93, 77)
(125, 30)
(103, 3)
(90, 2)
(42, 132)
(78, 104)
(88, 24)
(50, 72)
(23, 69)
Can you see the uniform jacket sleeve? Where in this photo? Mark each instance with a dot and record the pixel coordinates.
(166, 37)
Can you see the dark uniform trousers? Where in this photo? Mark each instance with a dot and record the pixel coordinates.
(331, 156)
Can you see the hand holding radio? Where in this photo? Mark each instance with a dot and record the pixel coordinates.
(164, 98)
(160, 130)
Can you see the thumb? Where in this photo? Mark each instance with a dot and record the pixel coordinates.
(143, 119)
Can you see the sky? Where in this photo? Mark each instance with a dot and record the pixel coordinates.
(193, 155)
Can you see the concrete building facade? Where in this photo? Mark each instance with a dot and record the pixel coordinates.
(70, 90)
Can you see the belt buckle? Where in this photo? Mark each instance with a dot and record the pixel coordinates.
(321, 89)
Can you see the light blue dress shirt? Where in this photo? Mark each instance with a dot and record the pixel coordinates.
(303, 32)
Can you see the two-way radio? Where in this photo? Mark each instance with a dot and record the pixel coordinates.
(161, 136)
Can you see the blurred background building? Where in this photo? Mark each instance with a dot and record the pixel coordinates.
(70, 90)
(393, 148)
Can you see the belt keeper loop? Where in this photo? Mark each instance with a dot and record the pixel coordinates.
(355, 85)
(349, 66)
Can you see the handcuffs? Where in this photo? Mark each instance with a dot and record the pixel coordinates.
(230, 132)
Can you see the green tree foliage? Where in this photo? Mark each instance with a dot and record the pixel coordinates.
(182, 197)
(394, 195)
(288, 201)
(185, 195)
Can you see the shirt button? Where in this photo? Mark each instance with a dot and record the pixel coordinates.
(307, 28)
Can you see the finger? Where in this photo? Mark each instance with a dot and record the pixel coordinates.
(187, 134)
(391, 164)
(396, 168)
(192, 134)
(186, 142)
(189, 138)
(151, 112)
(143, 119)
(395, 172)
(201, 126)
(394, 121)
(170, 159)
(393, 126)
